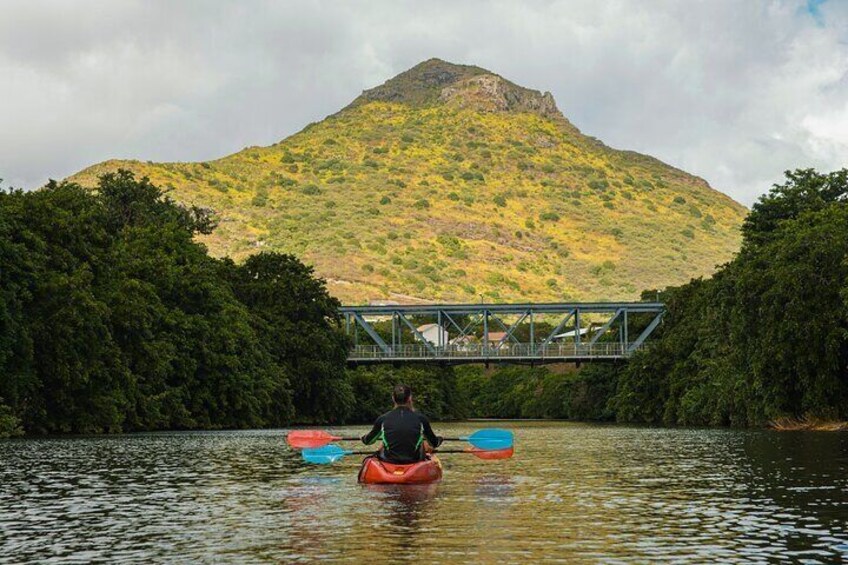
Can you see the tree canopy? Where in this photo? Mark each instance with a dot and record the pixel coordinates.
(767, 335)
(112, 317)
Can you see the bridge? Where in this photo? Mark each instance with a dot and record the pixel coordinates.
(499, 333)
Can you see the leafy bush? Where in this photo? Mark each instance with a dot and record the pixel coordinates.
(260, 199)
(10, 425)
(453, 246)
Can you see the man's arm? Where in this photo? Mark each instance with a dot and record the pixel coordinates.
(372, 436)
(434, 440)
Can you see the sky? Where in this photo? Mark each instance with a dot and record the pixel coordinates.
(733, 91)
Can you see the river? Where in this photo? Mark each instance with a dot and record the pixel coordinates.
(573, 493)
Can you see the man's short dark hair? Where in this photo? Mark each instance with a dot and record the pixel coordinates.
(401, 394)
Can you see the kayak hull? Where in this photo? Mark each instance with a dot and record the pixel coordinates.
(376, 472)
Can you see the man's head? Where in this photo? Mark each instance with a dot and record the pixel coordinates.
(402, 395)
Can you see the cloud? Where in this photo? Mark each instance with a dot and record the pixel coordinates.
(735, 92)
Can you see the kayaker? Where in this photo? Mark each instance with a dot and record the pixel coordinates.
(402, 431)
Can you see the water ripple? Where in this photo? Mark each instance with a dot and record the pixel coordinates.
(573, 493)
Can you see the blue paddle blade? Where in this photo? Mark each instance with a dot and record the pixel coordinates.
(324, 455)
(490, 438)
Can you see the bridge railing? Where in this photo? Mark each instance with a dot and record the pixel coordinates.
(610, 350)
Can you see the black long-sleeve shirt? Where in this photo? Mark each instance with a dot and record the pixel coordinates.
(402, 431)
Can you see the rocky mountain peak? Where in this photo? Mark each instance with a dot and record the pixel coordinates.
(435, 82)
(492, 93)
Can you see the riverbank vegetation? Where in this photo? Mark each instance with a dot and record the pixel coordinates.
(767, 336)
(807, 424)
(112, 318)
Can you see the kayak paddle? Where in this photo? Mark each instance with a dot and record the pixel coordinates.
(332, 453)
(313, 438)
(489, 438)
(325, 455)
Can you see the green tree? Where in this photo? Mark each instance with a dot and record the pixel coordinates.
(112, 317)
(767, 335)
(300, 321)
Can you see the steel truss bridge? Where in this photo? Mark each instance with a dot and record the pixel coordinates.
(499, 333)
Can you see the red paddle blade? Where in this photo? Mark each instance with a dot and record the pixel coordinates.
(302, 439)
(493, 454)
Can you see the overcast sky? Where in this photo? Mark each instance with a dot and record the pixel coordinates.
(735, 92)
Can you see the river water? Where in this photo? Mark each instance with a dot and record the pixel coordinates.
(573, 493)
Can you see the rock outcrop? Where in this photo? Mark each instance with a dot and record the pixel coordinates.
(438, 82)
(489, 92)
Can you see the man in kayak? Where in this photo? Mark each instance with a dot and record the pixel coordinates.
(402, 431)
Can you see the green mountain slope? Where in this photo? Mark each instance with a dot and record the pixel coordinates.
(449, 182)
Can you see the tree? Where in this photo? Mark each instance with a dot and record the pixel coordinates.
(112, 317)
(767, 335)
(300, 321)
(805, 190)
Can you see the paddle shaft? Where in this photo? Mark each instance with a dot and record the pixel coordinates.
(436, 451)
(354, 438)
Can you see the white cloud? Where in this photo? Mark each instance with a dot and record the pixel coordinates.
(735, 92)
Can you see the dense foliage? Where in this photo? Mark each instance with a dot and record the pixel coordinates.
(471, 391)
(113, 318)
(523, 392)
(767, 336)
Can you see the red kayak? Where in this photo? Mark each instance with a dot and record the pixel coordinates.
(376, 472)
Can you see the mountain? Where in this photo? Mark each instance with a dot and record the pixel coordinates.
(449, 182)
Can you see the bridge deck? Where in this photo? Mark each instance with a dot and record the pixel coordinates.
(463, 333)
(517, 353)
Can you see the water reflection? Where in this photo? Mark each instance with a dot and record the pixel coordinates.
(494, 487)
(405, 513)
(572, 493)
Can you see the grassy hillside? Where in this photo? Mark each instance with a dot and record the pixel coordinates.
(449, 182)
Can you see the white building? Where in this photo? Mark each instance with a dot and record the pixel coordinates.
(571, 334)
(434, 333)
